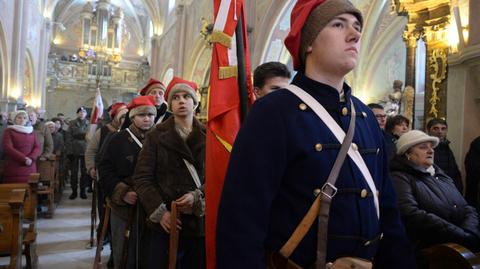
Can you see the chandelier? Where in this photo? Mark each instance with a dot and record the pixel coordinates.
(101, 36)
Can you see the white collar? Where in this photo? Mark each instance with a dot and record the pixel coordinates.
(21, 129)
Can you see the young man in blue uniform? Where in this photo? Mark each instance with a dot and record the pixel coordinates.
(284, 153)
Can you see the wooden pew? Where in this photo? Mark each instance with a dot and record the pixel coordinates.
(451, 256)
(11, 220)
(30, 217)
(46, 169)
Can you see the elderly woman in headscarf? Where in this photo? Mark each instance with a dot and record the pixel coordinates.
(432, 208)
(21, 149)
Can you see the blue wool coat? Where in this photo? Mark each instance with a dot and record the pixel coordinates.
(282, 153)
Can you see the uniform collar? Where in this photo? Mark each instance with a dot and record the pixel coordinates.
(328, 96)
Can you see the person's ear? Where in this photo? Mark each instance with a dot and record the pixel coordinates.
(309, 49)
(256, 91)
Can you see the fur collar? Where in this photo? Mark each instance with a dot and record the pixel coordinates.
(169, 138)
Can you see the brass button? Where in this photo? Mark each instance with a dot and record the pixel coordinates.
(354, 146)
(344, 111)
(454, 206)
(364, 114)
(364, 193)
(316, 192)
(302, 106)
(381, 236)
(318, 147)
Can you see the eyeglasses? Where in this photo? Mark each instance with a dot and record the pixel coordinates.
(380, 116)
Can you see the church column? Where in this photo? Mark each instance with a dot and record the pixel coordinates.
(156, 65)
(410, 36)
(181, 23)
(20, 29)
(42, 68)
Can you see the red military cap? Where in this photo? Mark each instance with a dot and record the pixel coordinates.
(117, 108)
(308, 18)
(178, 84)
(142, 105)
(152, 83)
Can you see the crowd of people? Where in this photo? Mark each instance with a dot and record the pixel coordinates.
(315, 175)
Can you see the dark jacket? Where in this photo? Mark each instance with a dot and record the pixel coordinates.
(161, 175)
(390, 141)
(472, 169)
(280, 156)
(76, 142)
(432, 209)
(445, 159)
(116, 167)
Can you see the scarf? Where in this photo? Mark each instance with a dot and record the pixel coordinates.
(21, 129)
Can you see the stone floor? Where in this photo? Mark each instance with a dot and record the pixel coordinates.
(62, 241)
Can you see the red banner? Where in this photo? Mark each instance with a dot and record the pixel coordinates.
(224, 107)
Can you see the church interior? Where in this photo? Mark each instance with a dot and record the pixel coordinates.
(418, 58)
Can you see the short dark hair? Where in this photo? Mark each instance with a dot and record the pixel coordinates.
(436, 121)
(55, 119)
(269, 70)
(395, 120)
(60, 115)
(375, 105)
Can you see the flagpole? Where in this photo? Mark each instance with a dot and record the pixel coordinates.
(241, 66)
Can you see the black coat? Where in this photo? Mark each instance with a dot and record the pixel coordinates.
(116, 167)
(445, 159)
(472, 169)
(432, 209)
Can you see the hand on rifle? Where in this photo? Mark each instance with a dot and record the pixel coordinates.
(185, 203)
(165, 222)
(130, 198)
(93, 173)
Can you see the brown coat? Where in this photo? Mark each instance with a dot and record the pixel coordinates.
(161, 175)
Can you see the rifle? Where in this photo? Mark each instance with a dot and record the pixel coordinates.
(128, 228)
(93, 214)
(173, 244)
(106, 220)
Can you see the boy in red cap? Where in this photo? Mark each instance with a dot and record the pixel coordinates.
(171, 168)
(156, 89)
(286, 149)
(115, 170)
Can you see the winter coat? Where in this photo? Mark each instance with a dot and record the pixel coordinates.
(45, 140)
(95, 143)
(445, 159)
(472, 169)
(282, 154)
(116, 167)
(161, 175)
(58, 143)
(431, 207)
(17, 147)
(76, 137)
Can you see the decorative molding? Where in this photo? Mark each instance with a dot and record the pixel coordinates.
(438, 62)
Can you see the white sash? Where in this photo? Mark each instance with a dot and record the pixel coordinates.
(340, 135)
(160, 118)
(134, 138)
(193, 173)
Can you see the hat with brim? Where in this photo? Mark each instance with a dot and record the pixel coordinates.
(412, 138)
(180, 85)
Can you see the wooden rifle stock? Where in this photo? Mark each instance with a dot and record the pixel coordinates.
(106, 222)
(173, 244)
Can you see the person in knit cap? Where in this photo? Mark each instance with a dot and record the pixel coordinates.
(433, 210)
(117, 115)
(284, 153)
(170, 168)
(156, 89)
(115, 169)
(21, 149)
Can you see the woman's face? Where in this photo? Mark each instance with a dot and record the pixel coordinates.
(400, 129)
(21, 119)
(421, 154)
